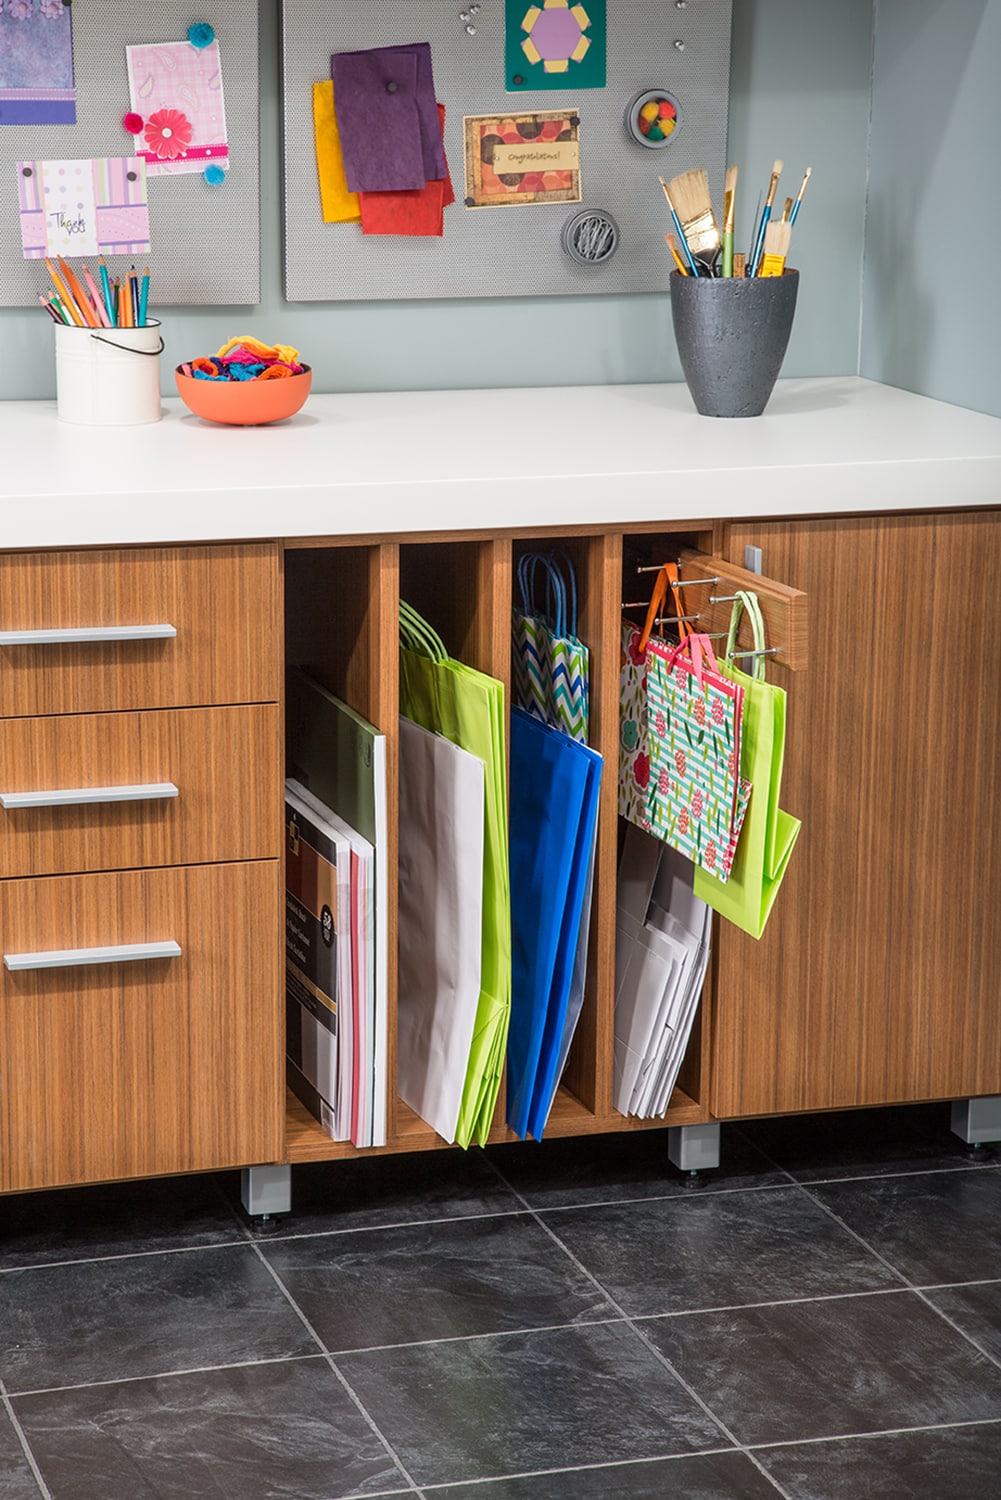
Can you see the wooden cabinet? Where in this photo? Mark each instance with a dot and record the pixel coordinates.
(875, 981)
(877, 978)
(133, 814)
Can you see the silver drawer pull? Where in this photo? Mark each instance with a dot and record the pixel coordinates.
(72, 796)
(86, 633)
(67, 958)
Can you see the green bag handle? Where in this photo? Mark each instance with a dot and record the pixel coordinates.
(417, 635)
(749, 601)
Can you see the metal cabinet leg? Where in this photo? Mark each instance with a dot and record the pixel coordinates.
(266, 1190)
(693, 1148)
(977, 1120)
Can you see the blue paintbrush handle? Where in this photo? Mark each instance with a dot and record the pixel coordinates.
(759, 243)
(685, 250)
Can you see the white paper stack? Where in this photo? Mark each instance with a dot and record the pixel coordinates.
(662, 943)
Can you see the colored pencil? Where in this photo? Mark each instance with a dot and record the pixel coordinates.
(133, 298)
(76, 316)
(97, 299)
(49, 308)
(143, 299)
(109, 300)
(60, 309)
(82, 300)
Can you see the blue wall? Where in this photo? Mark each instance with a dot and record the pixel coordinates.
(932, 288)
(800, 90)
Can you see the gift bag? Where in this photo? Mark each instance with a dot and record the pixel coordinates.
(695, 800)
(634, 747)
(467, 707)
(549, 664)
(769, 834)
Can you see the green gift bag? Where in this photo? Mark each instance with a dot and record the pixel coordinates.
(467, 707)
(769, 835)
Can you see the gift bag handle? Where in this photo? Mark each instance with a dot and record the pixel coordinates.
(696, 653)
(745, 599)
(556, 589)
(417, 635)
(662, 588)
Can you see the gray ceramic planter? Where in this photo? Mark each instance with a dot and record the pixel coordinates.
(732, 336)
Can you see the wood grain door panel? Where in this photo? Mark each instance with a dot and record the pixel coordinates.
(877, 977)
(142, 1068)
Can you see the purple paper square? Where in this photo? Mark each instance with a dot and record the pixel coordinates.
(427, 110)
(375, 96)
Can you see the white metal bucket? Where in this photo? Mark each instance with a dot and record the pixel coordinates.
(108, 377)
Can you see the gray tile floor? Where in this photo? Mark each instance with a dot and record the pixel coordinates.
(820, 1320)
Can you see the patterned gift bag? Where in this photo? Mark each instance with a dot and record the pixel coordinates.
(696, 798)
(634, 748)
(549, 663)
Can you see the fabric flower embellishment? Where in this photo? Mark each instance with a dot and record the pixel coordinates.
(52, 9)
(167, 134)
(20, 10)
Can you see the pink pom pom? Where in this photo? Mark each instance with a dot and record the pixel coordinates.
(133, 123)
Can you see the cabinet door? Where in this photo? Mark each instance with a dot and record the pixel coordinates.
(877, 977)
(133, 1068)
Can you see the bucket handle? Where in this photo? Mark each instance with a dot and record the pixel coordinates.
(127, 348)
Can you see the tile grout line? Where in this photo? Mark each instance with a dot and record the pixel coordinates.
(918, 1290)
(647, 1343)
(338, 1374)
(858, 1437)
(179, 1374)
(22, 1438)
(609, 1464)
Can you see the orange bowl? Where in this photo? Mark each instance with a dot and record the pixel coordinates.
(244, 402)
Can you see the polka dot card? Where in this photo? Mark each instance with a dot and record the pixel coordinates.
(90, 206)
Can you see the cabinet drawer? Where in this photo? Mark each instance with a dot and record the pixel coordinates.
(222, 603)
(223, 765)
(134, 1068)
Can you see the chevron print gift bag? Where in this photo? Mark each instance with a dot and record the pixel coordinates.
(550, 665)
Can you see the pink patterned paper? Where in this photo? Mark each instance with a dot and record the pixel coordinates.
(177, 90)
(85, 206)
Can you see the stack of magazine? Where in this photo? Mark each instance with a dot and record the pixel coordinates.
(335, 913)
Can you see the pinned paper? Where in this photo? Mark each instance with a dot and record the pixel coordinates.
(176, 90)
(527, 158)
(419, 212)
(89, 206)
(388, 118)
(554, 44)
(36, 63)
(337, 203)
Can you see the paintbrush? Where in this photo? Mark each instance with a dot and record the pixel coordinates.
(693, 264)
(766, 213)
(777, 237)
(693, 205)
(799, 195)
(787, 210)
(729, 194)
(672, 245)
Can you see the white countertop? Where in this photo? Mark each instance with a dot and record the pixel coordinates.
(432, 461)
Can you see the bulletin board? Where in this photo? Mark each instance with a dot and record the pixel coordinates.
(204, 239)
(601, 229)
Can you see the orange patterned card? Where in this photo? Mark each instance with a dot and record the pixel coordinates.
(522, 158)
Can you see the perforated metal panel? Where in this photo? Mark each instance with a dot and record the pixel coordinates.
(514, 250)
(205, 241)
